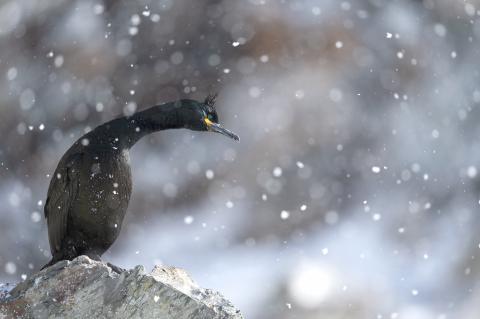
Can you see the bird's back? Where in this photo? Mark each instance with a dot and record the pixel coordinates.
(87, 198)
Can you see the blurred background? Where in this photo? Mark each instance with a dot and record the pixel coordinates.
(354, 192)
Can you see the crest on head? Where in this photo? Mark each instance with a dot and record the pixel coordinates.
(210, 100)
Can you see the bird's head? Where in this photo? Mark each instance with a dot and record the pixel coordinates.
(202, 116)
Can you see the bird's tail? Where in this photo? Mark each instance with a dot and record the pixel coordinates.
(53, 261)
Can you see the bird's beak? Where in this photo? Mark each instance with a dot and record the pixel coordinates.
(215, 127)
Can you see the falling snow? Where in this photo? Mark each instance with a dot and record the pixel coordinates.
(359, 146)
(284, 214)
(188, 219)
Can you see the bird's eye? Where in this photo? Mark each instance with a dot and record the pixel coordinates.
(210, 117)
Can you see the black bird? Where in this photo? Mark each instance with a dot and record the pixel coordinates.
(89, 192)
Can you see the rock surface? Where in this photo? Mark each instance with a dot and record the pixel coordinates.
(84, 288)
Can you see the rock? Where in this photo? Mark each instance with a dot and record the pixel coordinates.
(84, 288)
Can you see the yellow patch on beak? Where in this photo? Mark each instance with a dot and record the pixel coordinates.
(208, 122)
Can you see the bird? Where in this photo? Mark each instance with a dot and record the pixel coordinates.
(90, 189)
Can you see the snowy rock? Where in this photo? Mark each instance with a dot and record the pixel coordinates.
(84, 288)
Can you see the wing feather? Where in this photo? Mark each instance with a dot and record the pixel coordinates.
(62, 192)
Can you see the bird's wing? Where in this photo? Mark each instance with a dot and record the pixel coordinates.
(62, 192)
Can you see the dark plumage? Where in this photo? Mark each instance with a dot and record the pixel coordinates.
(89, 192)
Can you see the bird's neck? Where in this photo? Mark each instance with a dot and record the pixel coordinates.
(124, 132)
(152, 120)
